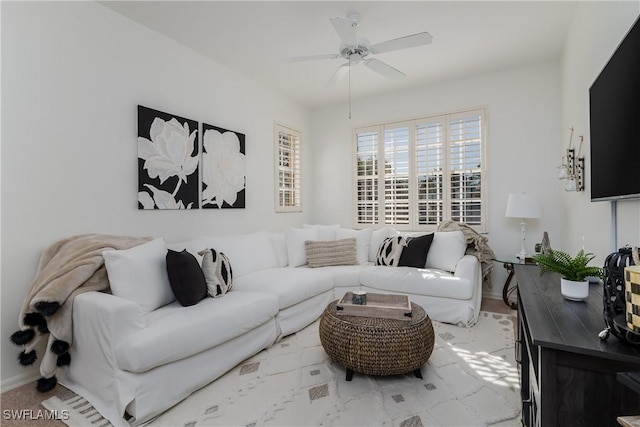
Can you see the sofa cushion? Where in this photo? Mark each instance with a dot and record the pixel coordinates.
(217, 272)
(321, 253)
(390, 251)
(417, 281)
(414, 254)
(279, 242)
(295, 244)
(247, 252)
(290, 285)
(174, 332)
(325, 232)
(363, 240)
(186, 277)
(446, 250)
(139, 274)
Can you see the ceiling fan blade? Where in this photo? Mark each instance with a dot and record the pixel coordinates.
(384, 69)
(413, 40)
(313, 57)
(340, 73)
(346, 29)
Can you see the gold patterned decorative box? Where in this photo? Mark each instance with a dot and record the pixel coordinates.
(632, 296)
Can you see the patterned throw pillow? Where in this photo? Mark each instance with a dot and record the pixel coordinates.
(390, 251)
(217, 272)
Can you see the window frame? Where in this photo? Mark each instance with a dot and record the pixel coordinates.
(444, 120)
(295, 169)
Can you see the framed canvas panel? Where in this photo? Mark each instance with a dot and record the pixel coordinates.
(223, 168)
(168, 161)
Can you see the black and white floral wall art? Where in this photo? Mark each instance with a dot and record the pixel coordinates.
(223, 168)
(168, 160)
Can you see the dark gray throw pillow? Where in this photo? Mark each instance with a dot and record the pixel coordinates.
(414, 254)
(186, 277)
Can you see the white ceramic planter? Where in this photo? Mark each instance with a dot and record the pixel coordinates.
(574, 291)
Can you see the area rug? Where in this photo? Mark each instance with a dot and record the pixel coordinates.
(471, 379)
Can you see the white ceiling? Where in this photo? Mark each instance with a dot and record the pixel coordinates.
(254, 38)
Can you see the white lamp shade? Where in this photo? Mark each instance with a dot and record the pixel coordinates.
(522, 205)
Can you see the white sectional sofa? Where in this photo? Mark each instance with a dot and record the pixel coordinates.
(132, 363)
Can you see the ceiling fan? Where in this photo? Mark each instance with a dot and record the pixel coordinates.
(359, 50)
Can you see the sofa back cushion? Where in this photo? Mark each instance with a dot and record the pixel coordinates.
(279, 242)
(296, 251)
(186, 277)
(246, 252)
(446, 250)
(140, 275)
(363, 240)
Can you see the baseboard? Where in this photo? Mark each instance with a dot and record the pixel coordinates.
(19, 380)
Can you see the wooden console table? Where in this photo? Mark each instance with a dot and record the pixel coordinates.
(567, 374)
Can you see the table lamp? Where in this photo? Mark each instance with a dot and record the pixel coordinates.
(522, 205)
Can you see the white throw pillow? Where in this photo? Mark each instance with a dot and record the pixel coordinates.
(247, 252)
(446, 250)
(377, 237)
(296, 250)
(363, 240)
(325, 232)
(139, 274)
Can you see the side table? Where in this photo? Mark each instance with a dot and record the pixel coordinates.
(508, 290)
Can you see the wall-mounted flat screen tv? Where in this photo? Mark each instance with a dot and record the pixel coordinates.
(614, 101)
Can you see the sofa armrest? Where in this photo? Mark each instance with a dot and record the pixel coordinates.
(468, 268)
(101, 321)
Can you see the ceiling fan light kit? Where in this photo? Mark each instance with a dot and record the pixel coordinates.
(357, 49)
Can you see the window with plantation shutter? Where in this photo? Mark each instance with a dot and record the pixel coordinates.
(416, 174)
(287, 167)
(367, 177)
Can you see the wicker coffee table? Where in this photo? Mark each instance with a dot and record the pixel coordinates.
(377, 346)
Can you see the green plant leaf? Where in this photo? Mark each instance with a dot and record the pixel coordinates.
(571, 268)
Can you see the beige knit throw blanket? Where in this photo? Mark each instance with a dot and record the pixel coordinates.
(66, 268)
(477, 245)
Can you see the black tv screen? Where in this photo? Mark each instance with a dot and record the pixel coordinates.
(614, 101)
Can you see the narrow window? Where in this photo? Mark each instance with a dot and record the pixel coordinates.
(287, 167)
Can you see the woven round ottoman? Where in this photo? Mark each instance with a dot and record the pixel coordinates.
(377, 346)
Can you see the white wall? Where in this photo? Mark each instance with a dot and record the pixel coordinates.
(73, 74)
(524, 127)
(594, 34)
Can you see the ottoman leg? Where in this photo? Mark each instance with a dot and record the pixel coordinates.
(349, 374)
(417, 373)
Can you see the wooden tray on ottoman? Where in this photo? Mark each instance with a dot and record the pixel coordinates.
(386, 306)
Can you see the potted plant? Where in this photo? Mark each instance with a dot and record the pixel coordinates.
(574, 271)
